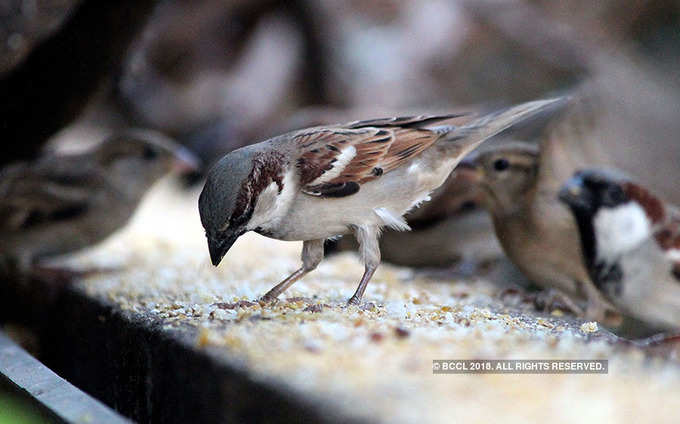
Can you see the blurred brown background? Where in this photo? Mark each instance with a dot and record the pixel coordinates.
(218, 74)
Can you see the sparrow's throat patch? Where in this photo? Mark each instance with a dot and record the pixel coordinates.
(619, 230)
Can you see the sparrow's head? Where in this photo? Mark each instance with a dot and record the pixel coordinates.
(142, 157)
(613, 214)
(591, 191)
(239, 190)
(506, 174)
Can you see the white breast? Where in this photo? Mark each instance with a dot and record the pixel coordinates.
(381, 202)
(272, 206)
(620, 230)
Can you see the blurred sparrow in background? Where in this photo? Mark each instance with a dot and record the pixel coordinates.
(631, 244)
(519, 183)
(321, 182)
(450, 235)
(62, 203)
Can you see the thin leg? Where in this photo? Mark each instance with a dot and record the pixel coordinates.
(367, 236)
(274, 293)
(356, 297)
(599, 309)
(312, 254)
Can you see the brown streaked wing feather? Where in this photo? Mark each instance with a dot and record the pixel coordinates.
(27, 198)
(321, 148)
(408, 143)
(381, 146)
(403, 121)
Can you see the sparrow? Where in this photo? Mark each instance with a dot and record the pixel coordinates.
(450, 236)
(519, 182)
(59, 204)
(630, 242)
(322, 182)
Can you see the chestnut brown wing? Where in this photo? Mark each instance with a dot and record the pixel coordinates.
(665, 219)
(336, 161)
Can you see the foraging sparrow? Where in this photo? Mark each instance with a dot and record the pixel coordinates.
(321, 182)
(62, 203)
(519, 184)
(450, 232)
(631, 244)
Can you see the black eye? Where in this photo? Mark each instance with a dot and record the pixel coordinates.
(613, 195)
(501, 164)
(149, 153)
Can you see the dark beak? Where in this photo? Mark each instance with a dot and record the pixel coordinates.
(572, 193)
(185, 162)
(219, 247)
(469, 170)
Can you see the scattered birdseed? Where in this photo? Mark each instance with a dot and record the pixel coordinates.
(589, 327)
(374, 362)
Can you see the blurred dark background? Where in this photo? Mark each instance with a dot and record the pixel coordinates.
(220, 74)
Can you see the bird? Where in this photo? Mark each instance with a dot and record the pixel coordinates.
(450, 235)
(630, 241)
(61, 203)
(321, 182)
(519, 182)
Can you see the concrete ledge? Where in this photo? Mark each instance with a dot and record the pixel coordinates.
(127, 361)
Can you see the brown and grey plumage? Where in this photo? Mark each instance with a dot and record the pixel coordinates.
(519, 183)
(631, 244)
(321, 182)
(62, 203)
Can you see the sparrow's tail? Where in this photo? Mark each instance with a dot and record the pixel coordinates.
(469, 136)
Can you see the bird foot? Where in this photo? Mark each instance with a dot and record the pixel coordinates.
(357, 303)
(268, 299)
(550, 299)
(354, 301)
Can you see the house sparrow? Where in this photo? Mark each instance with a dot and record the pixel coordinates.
(62, 203)
(631, 244)
(452, 212)
(519, 183)
(322, 182)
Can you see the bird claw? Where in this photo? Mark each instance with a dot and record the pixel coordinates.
(268, 299)
(354, 301)
(551, 299)
(365, 306)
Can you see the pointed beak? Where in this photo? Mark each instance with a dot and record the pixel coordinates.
(469, 170)
(220, 246)
(572, 193)
(184, 161)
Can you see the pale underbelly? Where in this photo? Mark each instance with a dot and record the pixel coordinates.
(311, 218)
